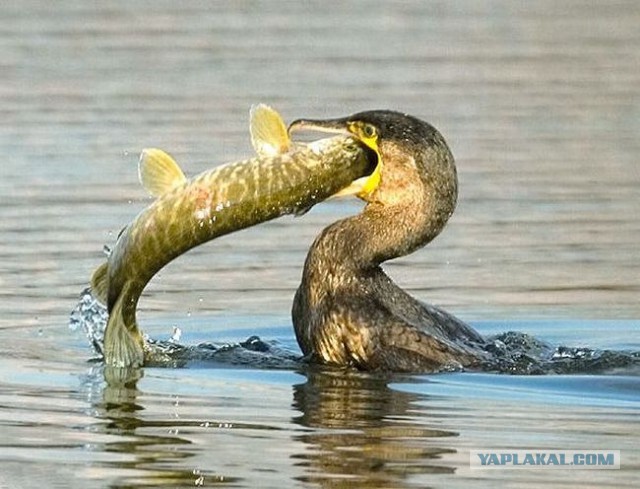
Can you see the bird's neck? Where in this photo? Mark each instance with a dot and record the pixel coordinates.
(381, 232)
(408, 209)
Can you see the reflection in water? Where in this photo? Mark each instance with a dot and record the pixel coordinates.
(149, 459)
(363, 434)
(357, 432)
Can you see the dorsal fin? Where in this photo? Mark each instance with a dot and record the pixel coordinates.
(158, 172)
(269, 135)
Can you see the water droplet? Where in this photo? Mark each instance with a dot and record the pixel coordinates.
(175, 335)
(91, 317)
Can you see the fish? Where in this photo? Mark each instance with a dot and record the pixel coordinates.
(285, 177)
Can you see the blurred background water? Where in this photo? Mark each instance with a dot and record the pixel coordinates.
(540, 104)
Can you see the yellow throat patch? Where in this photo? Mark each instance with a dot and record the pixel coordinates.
(364, 187)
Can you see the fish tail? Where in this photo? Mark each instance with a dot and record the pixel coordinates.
(123, 343)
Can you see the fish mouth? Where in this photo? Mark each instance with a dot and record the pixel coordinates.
(364, 187)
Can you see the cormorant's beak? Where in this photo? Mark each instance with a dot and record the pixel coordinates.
(362, 187)
(334, 126)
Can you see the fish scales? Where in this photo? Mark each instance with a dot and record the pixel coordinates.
(212, 204)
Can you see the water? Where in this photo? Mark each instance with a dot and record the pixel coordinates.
(541, 106)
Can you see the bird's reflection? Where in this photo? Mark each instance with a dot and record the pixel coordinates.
(364, 434)
(356, 432)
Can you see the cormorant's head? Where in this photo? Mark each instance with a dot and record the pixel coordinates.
(413, 157)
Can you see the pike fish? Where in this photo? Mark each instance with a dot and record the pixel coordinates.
(285, 178)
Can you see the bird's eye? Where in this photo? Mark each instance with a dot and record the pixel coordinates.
(368, 131)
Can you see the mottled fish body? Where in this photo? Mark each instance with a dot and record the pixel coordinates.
(283, 179)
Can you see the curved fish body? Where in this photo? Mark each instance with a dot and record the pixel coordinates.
(284, 179)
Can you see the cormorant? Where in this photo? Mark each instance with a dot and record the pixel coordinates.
(347, 311)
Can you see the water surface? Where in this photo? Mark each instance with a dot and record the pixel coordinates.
(541, 106)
